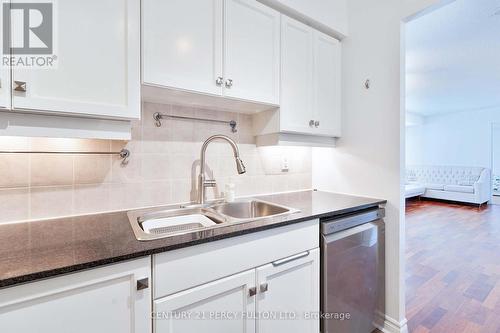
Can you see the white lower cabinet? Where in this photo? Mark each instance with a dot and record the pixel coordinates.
(282, 296)
(101, 300)
(266, 281)
(214, 307)
(279, 293)
(289, 293)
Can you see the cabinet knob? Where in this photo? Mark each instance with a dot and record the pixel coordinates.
(219, 81)
(20, 86)
(264, 287)
(252, 291)
(143, 284)
(229, 83)
(311, 123)
(316, 124)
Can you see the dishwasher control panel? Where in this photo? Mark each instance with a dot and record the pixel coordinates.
(333, 225)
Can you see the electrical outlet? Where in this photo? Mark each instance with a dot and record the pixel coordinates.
(284, 164)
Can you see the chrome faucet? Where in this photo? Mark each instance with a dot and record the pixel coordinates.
(204, 183)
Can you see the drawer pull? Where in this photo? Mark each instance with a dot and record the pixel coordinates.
(291, 258)
(252, 291)
(143, 284)
(20, 86)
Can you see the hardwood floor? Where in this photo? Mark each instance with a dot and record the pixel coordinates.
(452, 268)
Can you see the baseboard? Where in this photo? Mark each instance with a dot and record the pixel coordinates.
(390, 325)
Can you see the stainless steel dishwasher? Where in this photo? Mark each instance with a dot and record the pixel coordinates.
(352, 271)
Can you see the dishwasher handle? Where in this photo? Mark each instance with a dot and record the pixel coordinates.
(360, 229)
(343, 223)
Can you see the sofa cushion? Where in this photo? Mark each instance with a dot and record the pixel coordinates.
(439, 187)
(414, 190)
(459, 188)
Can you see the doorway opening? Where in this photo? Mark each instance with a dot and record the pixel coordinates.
(452, 104)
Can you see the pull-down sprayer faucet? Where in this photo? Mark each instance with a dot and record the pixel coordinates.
(204, 183)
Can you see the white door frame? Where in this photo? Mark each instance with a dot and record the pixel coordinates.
(492, 158)
(412, 10)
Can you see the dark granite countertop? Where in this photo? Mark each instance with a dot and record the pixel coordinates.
(39, 249)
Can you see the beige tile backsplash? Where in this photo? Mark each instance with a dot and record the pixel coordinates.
(162, 168)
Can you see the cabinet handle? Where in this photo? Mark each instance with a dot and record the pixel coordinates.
(264, 287)
(252, 291)
(311, 123)
(316, 124)
(143, 284)
(229, 83)
(219, 81)
(20, 86)
(291, 258)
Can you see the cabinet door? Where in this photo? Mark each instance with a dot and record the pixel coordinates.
(296, 76)
(182, 44)
(215, 307)
(289, 290)
(327, 106)
(252, 51)
(4, 71)
(97, 71)
(101, 300)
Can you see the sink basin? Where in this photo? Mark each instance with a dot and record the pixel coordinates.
(165, 223)
(150, 224)
(252, 209)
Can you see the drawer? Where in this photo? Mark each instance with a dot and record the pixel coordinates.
(185, 268)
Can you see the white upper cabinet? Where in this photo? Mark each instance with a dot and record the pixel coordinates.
(296, 76)
(310, 81)
(327, 85)
(4, 73)
(218, 48)
(97, 71)
(182, 44)
(252, 51)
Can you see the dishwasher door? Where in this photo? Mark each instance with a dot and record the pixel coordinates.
(351, 278)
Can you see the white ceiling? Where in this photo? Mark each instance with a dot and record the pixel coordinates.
(453, 58)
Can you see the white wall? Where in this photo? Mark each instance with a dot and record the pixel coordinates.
(369, 158)
(462, 138)
(414, 147)
(413, 119)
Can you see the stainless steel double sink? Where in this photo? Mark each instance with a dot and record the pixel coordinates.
(156, 224)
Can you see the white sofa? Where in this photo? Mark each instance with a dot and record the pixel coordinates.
(462, 184)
